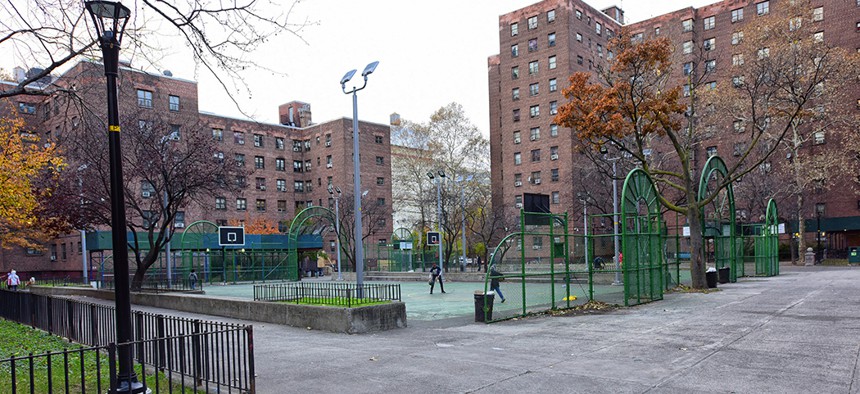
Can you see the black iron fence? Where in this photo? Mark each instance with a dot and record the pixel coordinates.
(157, 284)
(338, 294)
(210, 354)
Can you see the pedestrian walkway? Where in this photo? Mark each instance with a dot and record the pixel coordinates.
(795, 333)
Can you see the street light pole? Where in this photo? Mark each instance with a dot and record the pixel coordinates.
(337, 226)
(109, 19)
(615, 224)
(818, 235)
(438, 182)
(460, 180)
(356, 170)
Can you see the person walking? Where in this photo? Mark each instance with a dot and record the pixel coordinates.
(192, 279)
(495, 278)
(12, 281)
(436, 273)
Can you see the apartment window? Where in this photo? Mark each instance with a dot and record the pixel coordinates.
(657, 31)
(709, 23)
(818, 138)
(553, 85)
(535, 178)
(762, 8)
(579, 14)
(763, 53)
(553, 107)
(737, 15)
(515, 50)
(553, 130)
(818, 36)
(147, 190)
(795, 23)
(552, 62)
(241, 204)
(711, 85)
(533, 45)
(738, 81)
(378, 139)
(710, 44)
(553, 153)
(239, 137)
(308, 165)
(710, 66)
(534, 89)
(686, 90)
(380, 202)
(737, 37)
(219, 157)
(218, 134)
(328, 161)
(638, 37)
(298, 186)
(380, 160)
(553, 175)
(711, 150)
(260, 183)
(282, 206)
(179, 219)
(738, 59)
(688, 68)
(550, 39)
(258, 140)
(518, 158)
(380, 181)
(579, 60)
(517, 139)
(240, 159)
(598, 28)
(534, 134)
(687, 25)
(515, 29)
(261, 205)
(533, 67)
(688, 47)
(533, 23)
(220, 203)
(173, 103)
(259, 162)
(534, 111)
(516, 115)
(279, 143)
(578, 37)
(535, 154)
(26, 108)
(555, 198)
(818, 14)
(515, 72)
(240, 181)
(63, 250)
(144, 98)
(600, 51)
(550, 16)
(515, 94)
(280, 164)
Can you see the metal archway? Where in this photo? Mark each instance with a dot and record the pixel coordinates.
(641, 239)
(298, 224)
(767, 244)
(402, 251)
(195, 254)
(720, 226)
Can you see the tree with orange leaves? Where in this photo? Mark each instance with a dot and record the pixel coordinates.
(257, 225)
(22, 159)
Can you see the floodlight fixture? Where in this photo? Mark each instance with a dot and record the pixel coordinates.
(346, 77)
(369, 69)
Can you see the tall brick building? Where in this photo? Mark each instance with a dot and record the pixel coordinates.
(291, 163)
(543, 44)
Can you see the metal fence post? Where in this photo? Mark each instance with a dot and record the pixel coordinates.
(94, 324)
(160, 334)
(252, 385)
(111, 348)
(138, 335)
(196, 359)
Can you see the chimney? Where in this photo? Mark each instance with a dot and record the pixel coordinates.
(295, 114)
(394, 119)
(616, 13)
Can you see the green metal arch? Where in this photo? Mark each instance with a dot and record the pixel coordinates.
(641, 239)
(771, 234)
(298, 223)
(402, 230)
(726, 248)
(198, 223)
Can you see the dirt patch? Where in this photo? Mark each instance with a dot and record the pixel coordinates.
(688, 289)
(589, 308)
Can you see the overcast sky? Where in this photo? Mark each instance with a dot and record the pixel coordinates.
(430, 53)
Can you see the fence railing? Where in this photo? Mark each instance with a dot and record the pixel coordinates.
(157, 284)
(339, 294)
(215, 354)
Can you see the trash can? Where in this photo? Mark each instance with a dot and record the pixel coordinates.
(482, 299)
(711, 278)
(723, 274)
(854, 255)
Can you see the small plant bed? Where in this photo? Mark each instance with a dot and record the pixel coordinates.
(589, 308)
(688, 289)
(835, 262)
(336, 302)
(21, 341)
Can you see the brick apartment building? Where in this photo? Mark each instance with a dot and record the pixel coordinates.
(292, 162)
(543, 44)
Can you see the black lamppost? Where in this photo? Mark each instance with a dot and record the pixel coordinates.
(818, 236)
(109, 20)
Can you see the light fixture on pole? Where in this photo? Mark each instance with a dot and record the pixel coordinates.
(460, 181)
(356, 170)
(109, 20)
(438, 181)
(331, 191)
(614, 160)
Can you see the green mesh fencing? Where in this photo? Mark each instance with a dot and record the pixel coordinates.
(641, 240)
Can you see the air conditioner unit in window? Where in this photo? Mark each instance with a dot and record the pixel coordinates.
(328, 143)
(517, 140)
(537, 181)
(328, 165)
(519, 205)
(146, 194)
(533, 138)
(297, 149)
(535, 247)
(262, 187)
(553, 157)
(179, 225)
(518, 183)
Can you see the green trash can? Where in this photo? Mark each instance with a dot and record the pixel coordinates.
(854, 255)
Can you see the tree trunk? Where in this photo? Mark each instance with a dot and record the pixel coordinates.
(697, 257)
(801, 230)
(142, 267)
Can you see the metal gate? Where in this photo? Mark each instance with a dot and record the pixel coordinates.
(641, 240)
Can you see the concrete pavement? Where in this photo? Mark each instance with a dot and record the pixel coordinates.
(795, 333)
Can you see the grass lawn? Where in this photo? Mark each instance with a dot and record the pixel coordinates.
(88, 372)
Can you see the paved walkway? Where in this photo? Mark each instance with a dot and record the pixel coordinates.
(796, 333)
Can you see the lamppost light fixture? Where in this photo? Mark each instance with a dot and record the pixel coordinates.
(346, 77)
(369, 69)
(107, 16)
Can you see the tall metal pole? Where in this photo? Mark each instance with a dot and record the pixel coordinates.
(585, 226)
(337, 229)
(356, 191)
(125, 376)
(615, 224)
(439, 222)
(818, 245)
(167, 244)
(463, 207)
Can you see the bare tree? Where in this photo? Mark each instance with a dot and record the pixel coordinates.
(373, 217)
